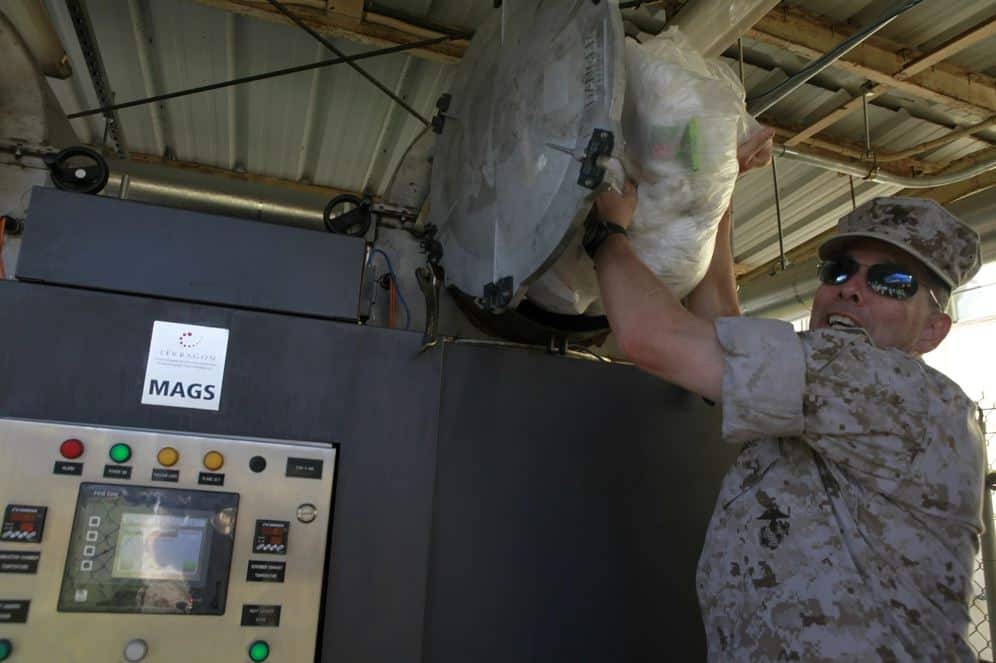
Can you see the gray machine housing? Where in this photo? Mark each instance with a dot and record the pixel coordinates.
(491, 504)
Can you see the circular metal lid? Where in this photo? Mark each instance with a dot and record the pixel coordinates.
(540, 85)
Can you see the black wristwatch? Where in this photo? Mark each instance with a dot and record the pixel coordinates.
(596, 231)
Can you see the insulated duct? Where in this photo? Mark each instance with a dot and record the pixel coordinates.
(712, 25)
(29, 112)
(31, 19)
(173, 187)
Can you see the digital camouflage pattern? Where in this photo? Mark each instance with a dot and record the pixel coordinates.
(947, 246)
(848, 527)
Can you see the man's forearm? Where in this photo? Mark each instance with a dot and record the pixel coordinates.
(716, 296)
(651, 326)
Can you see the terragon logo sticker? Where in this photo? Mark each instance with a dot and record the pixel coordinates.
(186, 366)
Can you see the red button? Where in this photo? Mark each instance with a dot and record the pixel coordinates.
(72, 448)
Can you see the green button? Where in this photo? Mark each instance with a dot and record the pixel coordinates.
(259, 651)
(120, 453)
(5, 649)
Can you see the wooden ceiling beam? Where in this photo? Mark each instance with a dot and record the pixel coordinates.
(924, 62)
(952, 192)
(969, 38)
(879, 60)
(340, 21)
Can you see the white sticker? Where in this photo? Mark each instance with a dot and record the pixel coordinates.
(186, 366)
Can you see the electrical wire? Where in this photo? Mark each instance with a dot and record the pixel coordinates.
(397, 284)
(357, 68)
(259, 77)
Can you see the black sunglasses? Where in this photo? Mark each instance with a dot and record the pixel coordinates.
(886, 279)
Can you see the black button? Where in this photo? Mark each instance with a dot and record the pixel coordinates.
(257, 464)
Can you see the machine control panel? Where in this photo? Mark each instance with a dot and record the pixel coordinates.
(129, 545)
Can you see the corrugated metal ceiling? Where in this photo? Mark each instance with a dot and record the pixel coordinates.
(331, 127)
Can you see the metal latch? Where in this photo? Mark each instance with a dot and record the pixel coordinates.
(599, 147)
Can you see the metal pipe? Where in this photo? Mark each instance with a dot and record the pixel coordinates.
(789, 294)
(260, 77)
(760, 103)
(988, 546)
(778, 216)
(172, 187)
(740, 60)
(868, 137)
(873, 174)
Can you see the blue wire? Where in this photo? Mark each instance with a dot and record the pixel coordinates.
(397, 285)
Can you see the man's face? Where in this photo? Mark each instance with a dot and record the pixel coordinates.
(891, 323)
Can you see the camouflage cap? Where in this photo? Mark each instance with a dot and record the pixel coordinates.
(922, 228)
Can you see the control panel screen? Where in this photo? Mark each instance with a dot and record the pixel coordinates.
(160, 547)
(149, 550)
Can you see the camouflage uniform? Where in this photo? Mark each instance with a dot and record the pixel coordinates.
(848, 527)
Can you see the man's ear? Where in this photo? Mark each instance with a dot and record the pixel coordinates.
(934, 330)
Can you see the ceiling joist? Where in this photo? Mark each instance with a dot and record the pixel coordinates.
(879, 60)
(922, 63)
(365, 28)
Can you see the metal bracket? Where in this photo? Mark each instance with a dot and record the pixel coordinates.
(439, 119)
(557, 345)
(80, 19)
(431, 246)
(600, 145)
(429, 282)
(498, 295)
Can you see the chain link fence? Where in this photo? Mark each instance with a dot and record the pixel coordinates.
(979, 633)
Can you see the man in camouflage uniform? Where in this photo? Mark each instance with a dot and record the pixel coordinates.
(848, 527)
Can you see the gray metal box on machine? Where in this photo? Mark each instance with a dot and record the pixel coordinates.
(119, 245)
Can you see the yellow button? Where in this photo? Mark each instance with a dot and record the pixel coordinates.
(213, 460)
(168, 456)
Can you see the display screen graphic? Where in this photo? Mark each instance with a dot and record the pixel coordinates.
(159, 547)
(149, 550)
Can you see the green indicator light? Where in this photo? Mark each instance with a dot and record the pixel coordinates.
(120, 453)
(259, 651)
(5, 649)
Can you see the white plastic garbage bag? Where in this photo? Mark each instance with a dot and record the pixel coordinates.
(683, 117)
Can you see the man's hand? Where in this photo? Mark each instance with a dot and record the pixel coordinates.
(617, 208)
(756, 150)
